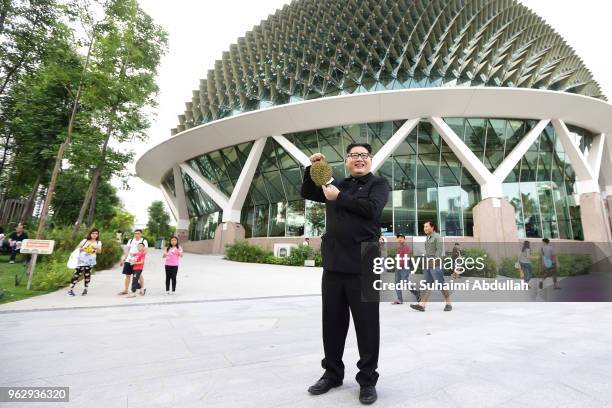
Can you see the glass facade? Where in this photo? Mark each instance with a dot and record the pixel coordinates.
(541, 188)
(427, 180)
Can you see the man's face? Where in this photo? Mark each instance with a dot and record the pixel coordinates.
(401, 240)
(358, 166)
(137, 235)
(427, 228)
(19, 229)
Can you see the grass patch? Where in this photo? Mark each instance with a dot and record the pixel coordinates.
(13, 293)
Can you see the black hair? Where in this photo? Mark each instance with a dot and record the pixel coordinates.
(141, 243)
(546, 240)
(170, 242)
(400, 235)
(525, 245)
(366, 145)
(431, 223)
(137, 230)
(90, 232)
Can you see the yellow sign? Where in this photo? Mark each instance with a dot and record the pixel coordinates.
(37, 246)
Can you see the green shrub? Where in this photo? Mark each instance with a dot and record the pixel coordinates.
(242, 251)
(490, 268)
(51, 275)
(318, 259)
(298, 255)
(506, 267)
(569, 265)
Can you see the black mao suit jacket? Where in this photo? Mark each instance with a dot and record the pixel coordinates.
(352, 219)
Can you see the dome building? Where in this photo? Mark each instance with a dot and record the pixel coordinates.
(480, 115)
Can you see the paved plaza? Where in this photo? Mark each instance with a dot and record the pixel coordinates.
(243, 335)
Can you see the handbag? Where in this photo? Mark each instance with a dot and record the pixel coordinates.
(73, 260)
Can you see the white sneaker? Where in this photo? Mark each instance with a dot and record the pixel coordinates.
(11, 262)
(167, 293)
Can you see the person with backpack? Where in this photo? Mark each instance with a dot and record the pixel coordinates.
(129, 255)
(172, 255)
(524, 262)
(550, 263)
(88, 249)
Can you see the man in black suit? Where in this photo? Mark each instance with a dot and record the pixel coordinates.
(353, 209)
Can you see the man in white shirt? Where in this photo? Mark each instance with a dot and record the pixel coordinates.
(128, 256)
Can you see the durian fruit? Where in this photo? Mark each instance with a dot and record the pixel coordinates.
(321, 173)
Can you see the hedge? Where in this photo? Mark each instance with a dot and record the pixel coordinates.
(569, 265)
(242, 251)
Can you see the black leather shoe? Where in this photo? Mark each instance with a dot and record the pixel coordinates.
(367, 395)
(323, 385)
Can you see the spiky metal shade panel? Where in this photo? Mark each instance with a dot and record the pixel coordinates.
(316, 48)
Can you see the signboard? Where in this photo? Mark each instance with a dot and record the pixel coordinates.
(37, 246)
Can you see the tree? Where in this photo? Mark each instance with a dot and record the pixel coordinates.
(122, 221)
(159, 220)
(71, 186)
(125, 61)
(36, 111)
(26, 31)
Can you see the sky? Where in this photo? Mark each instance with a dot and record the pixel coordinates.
(199, 31)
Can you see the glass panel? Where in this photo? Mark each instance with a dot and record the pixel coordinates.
(315, 219)
(260, 227)
(246, 219)
(512, 195)
(277, 219)
(427, 207)
(531, 211)
(404, 212)
(386, 219)
(450, 210)
(295, 218)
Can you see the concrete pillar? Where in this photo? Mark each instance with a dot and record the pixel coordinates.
(494, 221)
(595, 223)
(226, 233)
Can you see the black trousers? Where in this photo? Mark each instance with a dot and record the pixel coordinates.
(135, 277)
(171, 277)
(341, 293)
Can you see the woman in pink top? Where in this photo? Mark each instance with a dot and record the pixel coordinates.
(172, 255)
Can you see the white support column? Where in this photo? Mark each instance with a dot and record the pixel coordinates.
(490, 187)
(586, 180)
(209, 188)
(231, 211)
(182, 222)
(503, 170)
(171, 200)
(293, 150)
(393, 143)
(595, 154)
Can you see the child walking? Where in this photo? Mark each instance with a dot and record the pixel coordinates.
(138, 266)
(88, 248)
(172, 255)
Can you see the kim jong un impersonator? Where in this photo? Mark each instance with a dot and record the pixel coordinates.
(353, 208)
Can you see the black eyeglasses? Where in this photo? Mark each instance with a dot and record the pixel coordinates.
(363, 156)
